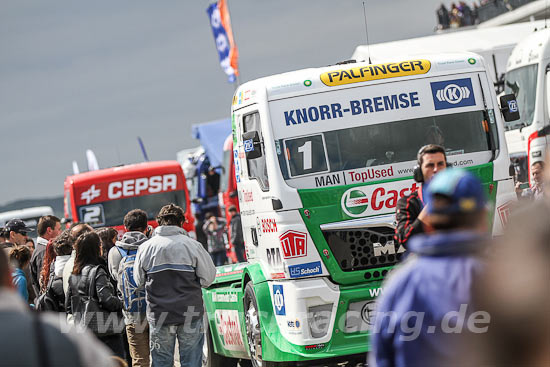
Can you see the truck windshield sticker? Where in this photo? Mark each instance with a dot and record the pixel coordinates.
(306, 155)
(375, 72)
(453, 94)
(354, 107)
(92, 215)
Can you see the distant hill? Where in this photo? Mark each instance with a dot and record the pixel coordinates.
(56, 203)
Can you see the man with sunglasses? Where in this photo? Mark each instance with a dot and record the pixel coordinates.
(17, 230)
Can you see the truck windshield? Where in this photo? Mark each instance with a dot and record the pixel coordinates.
(111, 213)
(381, 144)
(523, 83)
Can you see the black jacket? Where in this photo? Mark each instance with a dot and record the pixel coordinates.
(104, 290)
(407, 210)
(236, 231)
(56, 288)
(35, 266)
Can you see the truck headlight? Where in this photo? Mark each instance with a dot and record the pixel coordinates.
(319, 319)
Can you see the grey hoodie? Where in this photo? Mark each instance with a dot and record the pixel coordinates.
(130, 241)
(173, 267)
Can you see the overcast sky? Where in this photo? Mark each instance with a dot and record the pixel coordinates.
(95, 75)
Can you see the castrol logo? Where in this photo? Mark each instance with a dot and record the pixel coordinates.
(375, 199)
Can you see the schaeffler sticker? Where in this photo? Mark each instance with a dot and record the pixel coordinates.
(375, 199)
(279, 300)
(229, 329)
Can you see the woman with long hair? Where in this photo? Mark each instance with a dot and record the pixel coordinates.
(49, 258)
(56, 256)
(63, 242)
(86, 262)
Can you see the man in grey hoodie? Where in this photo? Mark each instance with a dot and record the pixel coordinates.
(137, 329)
(173, 268)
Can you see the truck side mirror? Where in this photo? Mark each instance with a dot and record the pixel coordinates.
(509, 107)
(252, 145)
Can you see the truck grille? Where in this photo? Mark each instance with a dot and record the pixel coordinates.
(363, 248)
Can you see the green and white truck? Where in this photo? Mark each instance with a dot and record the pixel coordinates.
(321, 158)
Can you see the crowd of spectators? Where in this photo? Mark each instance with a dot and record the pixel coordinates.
(135, 295)
(461, 14)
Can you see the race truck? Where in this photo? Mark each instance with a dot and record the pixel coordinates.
(321, 158)
(527, 76)
(102, 198)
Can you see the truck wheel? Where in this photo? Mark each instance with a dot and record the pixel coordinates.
(209, 357)
(253, 329)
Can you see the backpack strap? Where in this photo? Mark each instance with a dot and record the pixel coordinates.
(122, 251)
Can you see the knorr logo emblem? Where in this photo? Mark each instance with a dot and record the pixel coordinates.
(355, 202)
(375, 72)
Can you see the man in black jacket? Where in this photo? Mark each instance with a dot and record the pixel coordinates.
(410, 209)
(236, 228)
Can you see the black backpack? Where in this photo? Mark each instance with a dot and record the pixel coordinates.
(47, 301)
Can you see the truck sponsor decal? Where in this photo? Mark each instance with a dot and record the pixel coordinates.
(375, 292)
(368, 200)
(248, 145)
(304, 270)
(274, 258)
(375, 72)
(294, 244)
(367, 312)
(224, 297)
(90, 194)
(370, 174)
(329, 180)
(104, 191)
(453, 93)
(294, 326)
(388, 249)
(504, 212)
(229, 329)
(269, 225)
(279, 300)
(354, 107)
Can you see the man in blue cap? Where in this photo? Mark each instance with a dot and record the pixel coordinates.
(425, 305)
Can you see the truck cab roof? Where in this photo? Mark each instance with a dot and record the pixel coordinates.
(334, 77)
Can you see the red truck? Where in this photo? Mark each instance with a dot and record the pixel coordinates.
(102, 198)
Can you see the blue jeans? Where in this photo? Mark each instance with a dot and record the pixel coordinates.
(219, 258)
(190, 339)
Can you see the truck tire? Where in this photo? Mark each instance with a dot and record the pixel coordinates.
(209, 357)
(253, 330)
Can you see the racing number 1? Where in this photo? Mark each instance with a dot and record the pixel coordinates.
(306, 151)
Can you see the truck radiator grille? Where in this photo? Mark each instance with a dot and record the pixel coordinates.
(363, 248)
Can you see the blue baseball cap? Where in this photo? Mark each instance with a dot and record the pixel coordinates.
(464, 190)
